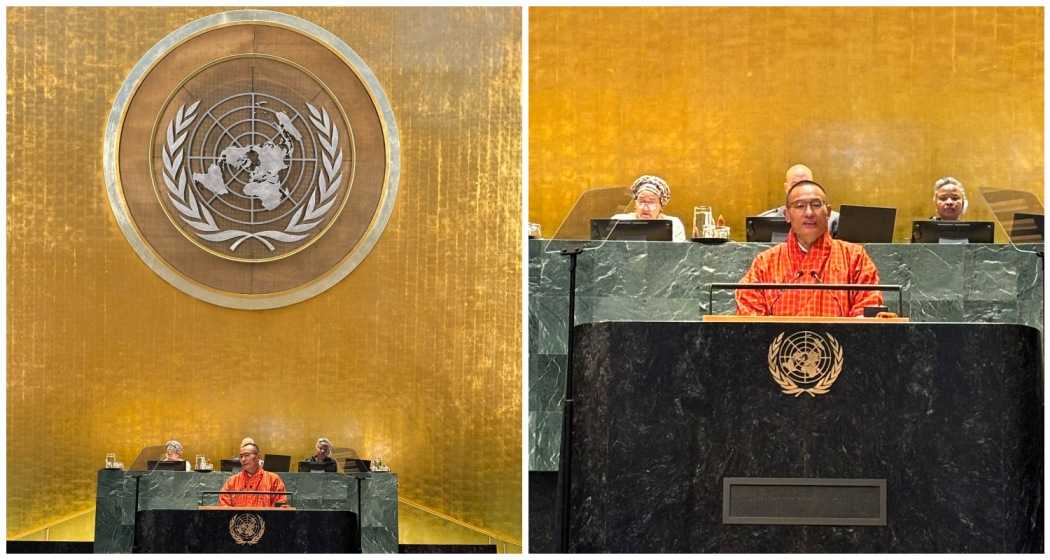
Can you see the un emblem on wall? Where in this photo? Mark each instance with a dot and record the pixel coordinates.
(247, 528)
(252, 159)
(805, 362)
(253, 174)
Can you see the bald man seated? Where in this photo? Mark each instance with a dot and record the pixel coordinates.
(795, 174)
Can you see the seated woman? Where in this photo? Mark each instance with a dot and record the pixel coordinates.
(173, 452)
(950, 198)
(651, 194)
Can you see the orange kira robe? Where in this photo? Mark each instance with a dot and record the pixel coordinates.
(829, 260)
(263, 481)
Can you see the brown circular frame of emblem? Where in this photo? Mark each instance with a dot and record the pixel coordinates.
(252, 159)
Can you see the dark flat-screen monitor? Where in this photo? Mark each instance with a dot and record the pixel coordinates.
(949, 232)
(631, 230)
(166, 465)
(277, 463)
(230, 465)
(310, 466)
(357, 465)
(767, 228)
(866, 224)
(1027, 228)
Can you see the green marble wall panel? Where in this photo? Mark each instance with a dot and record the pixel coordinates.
(379, 513)
(115, 501)
(639, 281)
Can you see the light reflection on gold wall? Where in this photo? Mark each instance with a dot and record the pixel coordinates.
(880, 102)
(415, 357)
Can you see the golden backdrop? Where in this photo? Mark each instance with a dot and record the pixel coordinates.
(415, 357)
(879, 102)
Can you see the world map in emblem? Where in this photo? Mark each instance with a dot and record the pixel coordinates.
(252, 159)
(253, 168)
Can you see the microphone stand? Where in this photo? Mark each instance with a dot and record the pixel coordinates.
(565, 459)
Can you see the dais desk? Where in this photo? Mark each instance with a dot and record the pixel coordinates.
(371, 497)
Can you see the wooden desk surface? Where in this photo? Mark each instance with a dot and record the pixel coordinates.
(246, 508)
(800, 319)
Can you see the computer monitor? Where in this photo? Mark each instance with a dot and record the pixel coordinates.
(767, 228)
(952, 233)
(230, 465)
(277, 463)
(311, 466)
(166, 465)
(357, 465)
(1027, 228)
(866, 224)
(632, 230)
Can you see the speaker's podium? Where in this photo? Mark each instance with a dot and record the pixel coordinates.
(165, 511)
(235, 529)
(807, 435)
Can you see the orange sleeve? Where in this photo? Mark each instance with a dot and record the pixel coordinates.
(278, 486)
(226, 499)
(864, 272)
(752, 302)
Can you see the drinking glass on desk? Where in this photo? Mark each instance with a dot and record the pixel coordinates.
(703, 222)
(111, 460)
(199, 463)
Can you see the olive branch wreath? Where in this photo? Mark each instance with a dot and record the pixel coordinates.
(788, 386)
(199, 217)
(242, 527)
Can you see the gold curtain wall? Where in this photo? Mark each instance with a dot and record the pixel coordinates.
(415, 357)
(879, 102)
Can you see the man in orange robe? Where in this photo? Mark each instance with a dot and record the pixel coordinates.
(253, 478)
(809, 256)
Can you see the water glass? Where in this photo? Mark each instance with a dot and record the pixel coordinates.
(703, 221)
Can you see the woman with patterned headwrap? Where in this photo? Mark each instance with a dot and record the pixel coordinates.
(173, 452)
(651, 194)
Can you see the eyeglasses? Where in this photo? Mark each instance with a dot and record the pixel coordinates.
(801, 205)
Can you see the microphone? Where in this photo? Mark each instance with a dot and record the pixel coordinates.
(798, 276)
(780, 293)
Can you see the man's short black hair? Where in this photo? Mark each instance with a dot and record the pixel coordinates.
(801, 183)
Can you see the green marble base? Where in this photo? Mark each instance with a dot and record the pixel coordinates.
(661, 281)
(373, 496)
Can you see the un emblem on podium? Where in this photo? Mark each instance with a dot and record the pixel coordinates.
(252, 159)
(247, 528)
(805, 362)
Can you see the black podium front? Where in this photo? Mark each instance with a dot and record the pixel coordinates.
(227, 530)
(694, 437)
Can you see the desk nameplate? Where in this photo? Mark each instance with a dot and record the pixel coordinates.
(803, 501)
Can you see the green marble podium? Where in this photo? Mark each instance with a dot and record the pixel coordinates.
(664, 281)
(372, 496)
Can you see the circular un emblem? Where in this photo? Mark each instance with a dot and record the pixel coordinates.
(805, 362)
(252, 159)
(247, 528)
